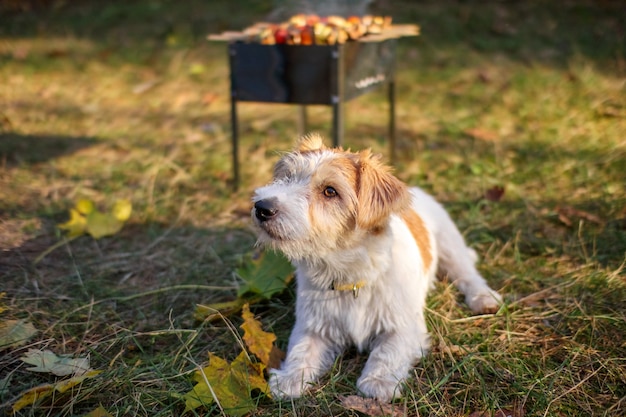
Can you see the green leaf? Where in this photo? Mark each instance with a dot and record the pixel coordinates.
(15, 333)
(102, 224)
(266, 275)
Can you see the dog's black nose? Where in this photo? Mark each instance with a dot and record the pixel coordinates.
(265, 209)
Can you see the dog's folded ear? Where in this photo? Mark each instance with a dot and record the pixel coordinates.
(379, 192)
(310, 142)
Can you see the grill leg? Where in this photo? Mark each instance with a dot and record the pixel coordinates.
(302, 120)
(235, 142)
(392, 121)
(337, 93)
(337, 124)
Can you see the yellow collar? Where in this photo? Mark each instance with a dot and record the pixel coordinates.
(349, 287)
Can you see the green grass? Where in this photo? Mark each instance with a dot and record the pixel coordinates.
(109, 100)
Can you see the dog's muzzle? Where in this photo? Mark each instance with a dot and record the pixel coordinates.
(265, 210)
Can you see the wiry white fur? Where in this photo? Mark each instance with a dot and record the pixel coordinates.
(387, 317)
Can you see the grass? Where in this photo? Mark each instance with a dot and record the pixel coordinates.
(109, 100)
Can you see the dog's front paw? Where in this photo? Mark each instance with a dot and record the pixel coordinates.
(485, 301)
(383, 389)
(287, 384)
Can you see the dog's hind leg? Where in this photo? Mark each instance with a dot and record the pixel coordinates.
(455, 258)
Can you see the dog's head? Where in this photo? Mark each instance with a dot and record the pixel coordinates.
(324, 199)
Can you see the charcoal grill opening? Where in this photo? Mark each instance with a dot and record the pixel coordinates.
(311, 74)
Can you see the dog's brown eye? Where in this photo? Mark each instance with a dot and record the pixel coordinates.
(330, 192)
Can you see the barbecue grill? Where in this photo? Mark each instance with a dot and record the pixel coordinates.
(311, 74)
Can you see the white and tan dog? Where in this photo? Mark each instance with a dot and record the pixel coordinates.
(366, 249)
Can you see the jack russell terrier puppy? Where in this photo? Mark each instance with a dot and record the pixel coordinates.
(366, 248)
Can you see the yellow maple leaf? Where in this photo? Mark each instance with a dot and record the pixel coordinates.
(259, 342)
(102, 224)
(231, 384)
(122, 210)
(98, 412)
(250, 372)
(84, 206)
(3, 307)
(76, 225)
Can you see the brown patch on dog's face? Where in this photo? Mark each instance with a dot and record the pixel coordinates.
(333, 201)
(416, 225)
(379, 192)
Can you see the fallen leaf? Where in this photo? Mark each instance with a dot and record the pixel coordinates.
(371, 406)
(230, 384)
(15, 333)
(197, 69)
(567, 215)
(495, 193)
(215, 311)
(3, 307)
(209, 98)
(84, 218)
(263, 274)
(102, 224)
(266, 275)
(249, 372)
(122, 210)
(98, 412)
(47, 361)
(259, 342)
(84, 206)
(76, 225)
(40, 392)
(482, 134)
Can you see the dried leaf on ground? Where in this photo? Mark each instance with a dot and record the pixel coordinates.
(15, 333)
(231, 384)
(259, 342)
(482, 134)
(494, 193)
(98, 412)
(214, 311)
(371, 406)
(40, 392)
(567, 215)
(47, 361)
